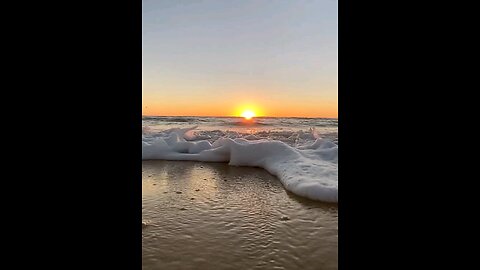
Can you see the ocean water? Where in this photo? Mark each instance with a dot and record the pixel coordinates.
(283, 129)
(301, 152)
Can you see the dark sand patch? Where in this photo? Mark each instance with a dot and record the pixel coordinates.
(247, 222)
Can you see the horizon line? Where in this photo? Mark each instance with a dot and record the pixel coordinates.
(225, 116)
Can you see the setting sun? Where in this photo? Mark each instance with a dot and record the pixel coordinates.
(248, 114)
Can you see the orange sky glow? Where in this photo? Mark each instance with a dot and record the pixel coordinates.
(159, 107)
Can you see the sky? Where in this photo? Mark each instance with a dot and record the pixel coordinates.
(220, 57)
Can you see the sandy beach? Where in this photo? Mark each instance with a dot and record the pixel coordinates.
(214, 216)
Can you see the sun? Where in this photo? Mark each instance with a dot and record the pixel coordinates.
(248, 114)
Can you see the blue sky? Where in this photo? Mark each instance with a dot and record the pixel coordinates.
(209, 56)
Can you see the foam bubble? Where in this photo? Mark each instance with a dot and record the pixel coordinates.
(308, 170)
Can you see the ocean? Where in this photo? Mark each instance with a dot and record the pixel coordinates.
(237, 127)
(230, 193)
(301, 152)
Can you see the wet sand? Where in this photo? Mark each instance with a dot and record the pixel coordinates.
(214, 216)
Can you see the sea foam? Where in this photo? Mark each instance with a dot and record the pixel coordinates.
(309, 170)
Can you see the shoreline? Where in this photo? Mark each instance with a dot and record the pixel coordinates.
(216, 216)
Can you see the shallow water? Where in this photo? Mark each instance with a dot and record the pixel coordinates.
(197, 220)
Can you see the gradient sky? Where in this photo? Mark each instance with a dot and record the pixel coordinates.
(218, 57)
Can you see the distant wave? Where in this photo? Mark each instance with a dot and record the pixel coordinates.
(240, 122)
(245, 123)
